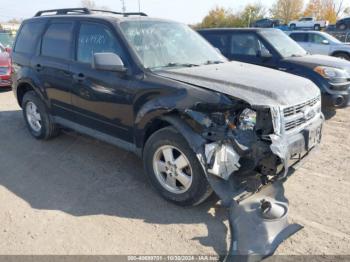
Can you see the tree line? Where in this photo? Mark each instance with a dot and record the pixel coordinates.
(285, 10)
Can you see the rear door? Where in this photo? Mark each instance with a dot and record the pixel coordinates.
(102, 99)
(52, 65)
(301, 39)
(219, 39)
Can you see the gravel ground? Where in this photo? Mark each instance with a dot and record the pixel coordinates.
(76, 195)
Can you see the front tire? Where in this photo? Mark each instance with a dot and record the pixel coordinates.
(174, 170)
(39, 122)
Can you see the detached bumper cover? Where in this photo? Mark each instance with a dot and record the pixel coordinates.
(256, 230)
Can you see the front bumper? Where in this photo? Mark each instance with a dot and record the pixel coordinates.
(5, 81)
(294, 147)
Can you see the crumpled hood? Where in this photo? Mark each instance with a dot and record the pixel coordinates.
(312, 61)
(256, 85)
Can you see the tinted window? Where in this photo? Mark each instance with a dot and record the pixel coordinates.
(57, 41)
(220, 41)
(247, 44)
(299, 37)
(96, 38)
(28, 37)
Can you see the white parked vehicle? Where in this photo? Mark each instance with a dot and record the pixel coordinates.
(321, 43)
(308, 22)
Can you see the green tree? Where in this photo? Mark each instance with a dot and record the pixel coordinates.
(221, 17)
(251, 13)
(287, 10)
(218, 17)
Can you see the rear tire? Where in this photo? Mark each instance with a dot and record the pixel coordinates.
(37, 118)
(317, 27)
(342, 56)
(186, 186)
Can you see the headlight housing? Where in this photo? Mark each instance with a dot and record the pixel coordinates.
(247, 119)
(336, 75)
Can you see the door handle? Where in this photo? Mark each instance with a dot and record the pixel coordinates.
(79, 77)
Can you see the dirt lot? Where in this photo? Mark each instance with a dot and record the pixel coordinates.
(75, 195)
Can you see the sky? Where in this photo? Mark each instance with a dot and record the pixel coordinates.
(186, 11)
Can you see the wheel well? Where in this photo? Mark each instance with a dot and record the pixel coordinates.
(21, 90)
(155, 125)
(340, 52)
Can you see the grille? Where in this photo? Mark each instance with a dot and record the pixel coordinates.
(296, 116)
(3, 70)
(293, 110)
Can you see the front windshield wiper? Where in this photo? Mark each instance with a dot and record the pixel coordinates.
(296, 55)
(213, 62)
(173, 64)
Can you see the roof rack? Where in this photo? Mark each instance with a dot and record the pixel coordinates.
(84, 11)
(120, 13)
(65, 11)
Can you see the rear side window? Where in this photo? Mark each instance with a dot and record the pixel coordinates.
(57, 41)
(28, 37)
(96, 38)
(220, 41)
(299, 37)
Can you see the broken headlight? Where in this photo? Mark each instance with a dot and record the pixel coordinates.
(247, 119)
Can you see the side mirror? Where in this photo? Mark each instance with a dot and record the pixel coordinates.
(325, 42)
(108, 62)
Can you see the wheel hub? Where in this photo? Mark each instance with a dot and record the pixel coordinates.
(172, 169)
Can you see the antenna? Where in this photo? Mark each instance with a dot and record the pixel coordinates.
(123, 6)
(139, 1)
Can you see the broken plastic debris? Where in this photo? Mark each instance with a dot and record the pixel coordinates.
(222, 160)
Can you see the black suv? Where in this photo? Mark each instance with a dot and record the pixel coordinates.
(343, 24)
(158, 89)
(274, 49)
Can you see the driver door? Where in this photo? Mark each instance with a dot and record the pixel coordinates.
(318, 44)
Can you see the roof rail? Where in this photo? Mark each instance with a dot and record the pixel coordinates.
(119, 13)
(84, 11)
(65, 11)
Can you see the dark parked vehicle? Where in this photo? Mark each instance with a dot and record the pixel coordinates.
(343, 24)
(274, 49)
(158, 89)
(266, 23)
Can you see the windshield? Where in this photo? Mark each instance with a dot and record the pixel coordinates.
(7, 39)
(168, 44)
(286, 46)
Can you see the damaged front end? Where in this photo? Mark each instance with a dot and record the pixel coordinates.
(247, 153)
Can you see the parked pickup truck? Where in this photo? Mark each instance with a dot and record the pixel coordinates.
(308, 22)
